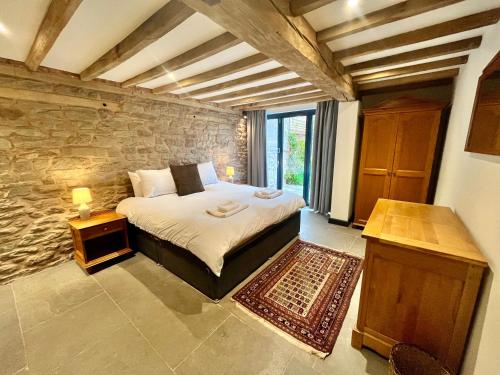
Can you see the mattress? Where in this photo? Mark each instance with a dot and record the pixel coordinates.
(184, 221)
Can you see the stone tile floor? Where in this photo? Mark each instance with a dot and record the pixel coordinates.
(137, 318)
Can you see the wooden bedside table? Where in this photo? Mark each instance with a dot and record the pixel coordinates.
(99, 239)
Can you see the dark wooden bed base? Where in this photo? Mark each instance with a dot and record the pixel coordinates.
(238, 263)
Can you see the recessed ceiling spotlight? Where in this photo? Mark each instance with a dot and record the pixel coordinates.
(352, 3)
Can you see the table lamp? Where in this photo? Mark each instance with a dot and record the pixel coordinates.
(230, 173)
(82, 196)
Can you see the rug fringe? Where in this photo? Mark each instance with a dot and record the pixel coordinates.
(292, 340)
(341, 251)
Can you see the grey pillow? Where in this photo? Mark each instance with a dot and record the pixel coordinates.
(187, 179)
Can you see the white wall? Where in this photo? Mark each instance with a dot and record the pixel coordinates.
(469, 183)
(344, 170)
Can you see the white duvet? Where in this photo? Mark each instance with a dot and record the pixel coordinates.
(184, 221)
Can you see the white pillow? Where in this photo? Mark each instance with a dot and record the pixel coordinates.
(207, 173)
(136, 183)
(156, 182)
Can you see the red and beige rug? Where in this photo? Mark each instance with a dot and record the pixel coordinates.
(305, 293)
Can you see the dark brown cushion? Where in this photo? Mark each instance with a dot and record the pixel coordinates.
(187, 179)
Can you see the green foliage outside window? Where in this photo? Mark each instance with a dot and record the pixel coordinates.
(295, 163)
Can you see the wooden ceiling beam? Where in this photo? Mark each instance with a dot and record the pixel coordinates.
(234, 67)
(257, 89)
(425, 77)
(271, 95)
(164, 20)
(412, 69)
(57, 17)
(300, 7)
(286, 104)
(296, 99)
(409, 86)
(238, 81)
(264, 26)
(380, 17)
(458, 25)
(419, 54)
(192, 56)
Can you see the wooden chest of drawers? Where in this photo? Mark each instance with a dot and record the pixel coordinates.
(420, 283)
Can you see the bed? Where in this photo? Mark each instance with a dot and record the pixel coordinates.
(212, 254)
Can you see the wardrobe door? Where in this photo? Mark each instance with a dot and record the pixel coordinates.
(415, 146)
(377, 153)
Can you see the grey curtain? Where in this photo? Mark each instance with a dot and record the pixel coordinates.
(323, 155)
(256, 148)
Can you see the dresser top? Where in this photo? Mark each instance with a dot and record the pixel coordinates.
(427, 228)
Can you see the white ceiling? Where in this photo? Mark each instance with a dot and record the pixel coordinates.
(291, 108)
(261, 92)
(339, 11)
(227, 56)
(422, 61)
(415, 46)
(240, 74)
(98, 25)
(434, 17)
(196, 30)
(18, 27)
(260, 82)
(413, 74)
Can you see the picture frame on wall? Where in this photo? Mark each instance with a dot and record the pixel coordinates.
(484, 129)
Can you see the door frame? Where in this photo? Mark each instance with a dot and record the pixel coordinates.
(308, 114)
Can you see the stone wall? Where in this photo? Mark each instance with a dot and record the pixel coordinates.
(48, 149)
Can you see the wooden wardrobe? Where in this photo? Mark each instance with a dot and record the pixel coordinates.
(397, 153)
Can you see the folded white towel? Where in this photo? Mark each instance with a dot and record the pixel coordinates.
(267, 191)
(277, 193)
(228, 206)
(220, 214)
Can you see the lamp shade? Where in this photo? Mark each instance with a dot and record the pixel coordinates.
(229, 171)
(81, 195)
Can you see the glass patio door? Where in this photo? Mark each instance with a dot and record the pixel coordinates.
(289, 151)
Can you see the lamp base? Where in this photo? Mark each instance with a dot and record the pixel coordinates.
(84, 211)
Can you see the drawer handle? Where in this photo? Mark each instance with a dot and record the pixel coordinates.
(105, 228)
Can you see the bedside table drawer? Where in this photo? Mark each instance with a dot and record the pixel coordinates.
(99, 230)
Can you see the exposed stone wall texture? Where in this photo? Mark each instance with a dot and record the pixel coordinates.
(48, 149)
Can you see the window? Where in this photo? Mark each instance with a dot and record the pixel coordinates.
(289, 138)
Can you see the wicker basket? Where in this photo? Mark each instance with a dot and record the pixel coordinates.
(409, 360)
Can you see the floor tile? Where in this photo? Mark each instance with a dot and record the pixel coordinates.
(12, 357)
(345, 360)
(125, 352)
(234, 348)
(298, 367)
(358, 247)
(93, 338)
(316, 229)
(172, 315)
(51, 344)
(133, 276)
(6, 298)
(79, 324)
(51, 292)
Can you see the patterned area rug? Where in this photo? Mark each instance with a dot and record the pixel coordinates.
(305, 293)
